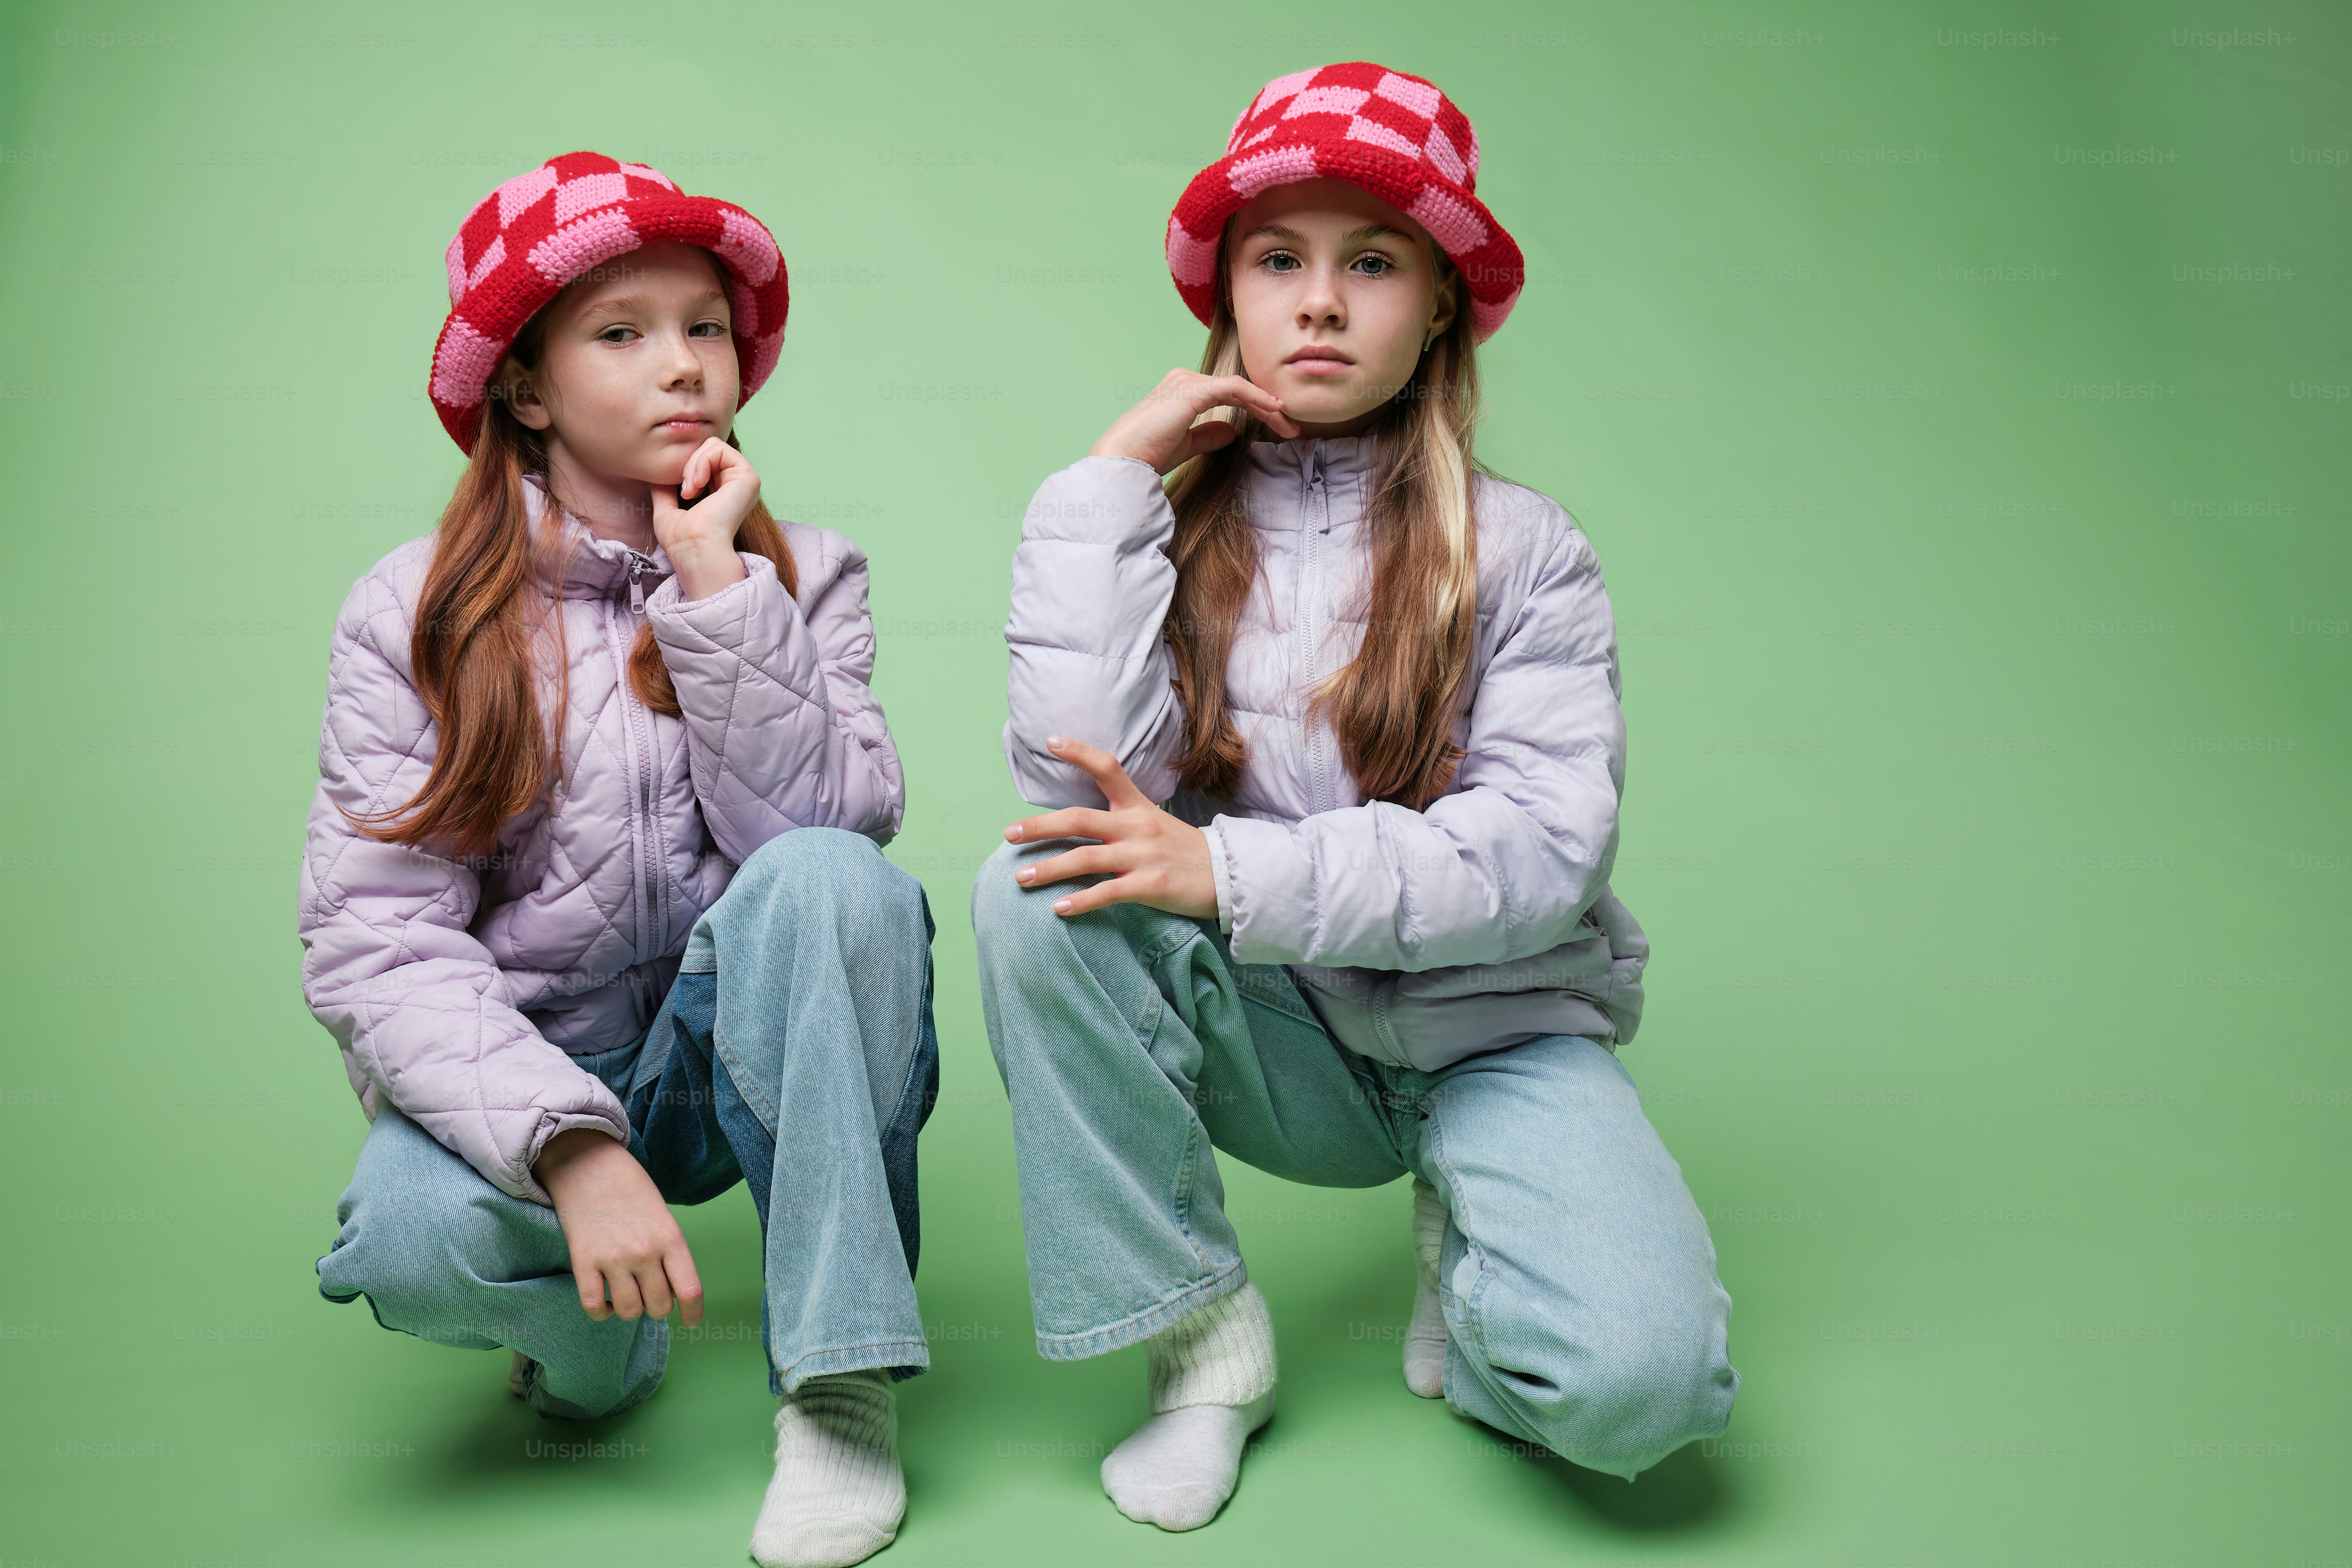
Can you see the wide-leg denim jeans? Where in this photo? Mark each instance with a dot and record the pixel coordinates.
(795, 1051)
(1578, 1278)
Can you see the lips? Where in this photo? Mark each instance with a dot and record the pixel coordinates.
(1318, 354)
(683, 424)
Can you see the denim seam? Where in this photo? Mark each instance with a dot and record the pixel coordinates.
(1188, 1172)
(1302, 1014)
(1186, 1181)
(1248, 1000)
(907, 1084)
(1137, 1326)
(762, 1107)
(1181, 930)
(1472, 1304)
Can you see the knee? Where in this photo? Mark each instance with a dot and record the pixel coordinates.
(1621, 1402)
(1004, 914)
(825, 871)
(420, 1235)
(821, 855)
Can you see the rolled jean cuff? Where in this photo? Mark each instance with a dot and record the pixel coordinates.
(903, 1357)
(1138, 1326)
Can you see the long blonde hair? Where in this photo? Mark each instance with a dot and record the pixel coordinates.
(1392, 708)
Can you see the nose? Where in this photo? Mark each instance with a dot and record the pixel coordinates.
(1321, 303)
(681, 367)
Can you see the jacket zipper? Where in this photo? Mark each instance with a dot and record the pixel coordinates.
(649, 911)
(1319, 494)
(656, 886)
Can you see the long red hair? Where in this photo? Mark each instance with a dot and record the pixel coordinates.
(480, 644)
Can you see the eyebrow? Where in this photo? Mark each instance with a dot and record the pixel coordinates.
(1354, 236)
(637, 305)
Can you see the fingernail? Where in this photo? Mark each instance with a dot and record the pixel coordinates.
(1026, 874)
(1056, 741)
(1061, 906)
(1013, 833)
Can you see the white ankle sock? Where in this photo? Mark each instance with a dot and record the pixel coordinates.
(1212, 1383)
(838, 1493)
(1424, 1339)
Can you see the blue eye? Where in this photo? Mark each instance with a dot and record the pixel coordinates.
(1279, 262)
(1374, 264)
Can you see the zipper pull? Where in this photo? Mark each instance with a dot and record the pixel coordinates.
(1322, 491)
(636, 589)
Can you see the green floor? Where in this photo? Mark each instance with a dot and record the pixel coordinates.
(1958, 397)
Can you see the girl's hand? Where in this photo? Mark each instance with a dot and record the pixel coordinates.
(1159, 430)
(624, 1242)
(699, 537)
(1155, 861)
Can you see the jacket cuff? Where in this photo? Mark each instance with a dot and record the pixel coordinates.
(1272, 888)
(549, 1124)
(668, 598)
(1224, 878)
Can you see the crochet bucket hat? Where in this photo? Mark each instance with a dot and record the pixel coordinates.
(1384, 132)
(524, 241)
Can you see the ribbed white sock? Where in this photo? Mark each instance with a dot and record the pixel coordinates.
(1211, 1385)
(1424, 1338)
(838, 1493)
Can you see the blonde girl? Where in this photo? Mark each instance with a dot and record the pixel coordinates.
(1328, 722)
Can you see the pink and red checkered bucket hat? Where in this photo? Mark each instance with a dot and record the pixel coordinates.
(524, 241)
(1394, 135)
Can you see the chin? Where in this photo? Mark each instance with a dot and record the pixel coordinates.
(1322, 411)
(1320, 401)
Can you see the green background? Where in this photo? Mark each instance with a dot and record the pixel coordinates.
(1989, 768)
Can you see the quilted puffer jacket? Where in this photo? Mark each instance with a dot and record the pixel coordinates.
(1420, 937)
(460, 991)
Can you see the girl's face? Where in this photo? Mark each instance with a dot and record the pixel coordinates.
(638, 368)
(1334, 292)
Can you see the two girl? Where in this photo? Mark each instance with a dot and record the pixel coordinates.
(1370, 933)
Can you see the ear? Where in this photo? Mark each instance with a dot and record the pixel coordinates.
(1449, 293)
(521, 398)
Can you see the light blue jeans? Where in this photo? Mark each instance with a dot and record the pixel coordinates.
(794, 1051)
(1578, 1278)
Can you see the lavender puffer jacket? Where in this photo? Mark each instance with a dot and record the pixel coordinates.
(460, 992)
(1420, 937)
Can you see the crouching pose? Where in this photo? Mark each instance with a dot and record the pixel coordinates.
(1369, 933)
(592, 897)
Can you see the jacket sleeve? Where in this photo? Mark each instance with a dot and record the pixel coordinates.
(783, 731)
(389, 966)
(1091, 587)
(1502, 868)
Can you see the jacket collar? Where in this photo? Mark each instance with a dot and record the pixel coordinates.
(1280, 473)
(594, 566)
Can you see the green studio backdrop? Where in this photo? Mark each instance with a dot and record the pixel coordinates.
(1956, 396)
